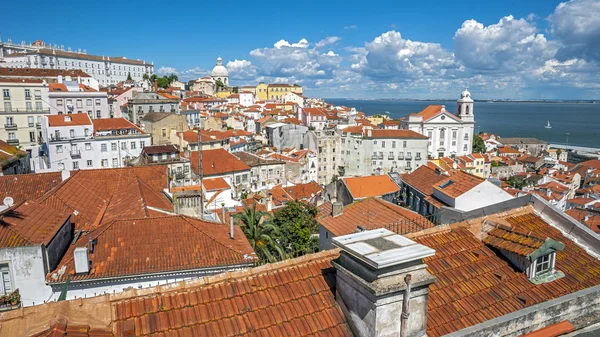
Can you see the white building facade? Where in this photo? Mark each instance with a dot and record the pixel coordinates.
(71, 97)
(104, 69)
(70, 143)
(449, 134)
(220, 73)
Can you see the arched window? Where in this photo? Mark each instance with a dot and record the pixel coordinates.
(467, 109)
(442, 133)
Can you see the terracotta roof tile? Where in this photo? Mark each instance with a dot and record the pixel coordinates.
(35, 223)
(392, 133)
(373, 213)
(518, 243)
(110, 124)
(24, 187)
(458, 184)
(215, 184)
(474, 284)
(139, 246)
(69, 120)
(217, 162)
(370, 186)
(292, 298)
(423, 179)
(61, 328)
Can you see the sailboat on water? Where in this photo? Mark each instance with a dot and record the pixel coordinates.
(548, 126)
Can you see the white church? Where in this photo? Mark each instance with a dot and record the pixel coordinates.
(450, 134)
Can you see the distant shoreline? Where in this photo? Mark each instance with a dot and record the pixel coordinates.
(478, 101)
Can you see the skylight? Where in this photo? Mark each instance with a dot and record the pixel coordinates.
(446, 184)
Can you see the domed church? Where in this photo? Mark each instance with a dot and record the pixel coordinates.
(220, 73)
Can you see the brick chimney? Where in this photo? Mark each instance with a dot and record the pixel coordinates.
(382, 283)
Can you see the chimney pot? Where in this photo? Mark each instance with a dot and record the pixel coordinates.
(231, 232)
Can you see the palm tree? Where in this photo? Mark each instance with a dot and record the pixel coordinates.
(261, 233)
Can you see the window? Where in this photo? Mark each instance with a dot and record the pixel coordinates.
(404, 144)
(97, 101)
(59, 102)
(543, 264)
(164, 132)
(466, 148)
(391, 155)
(442, 133)
(454, 134)
(237, 179)
(6, 93)
(88, 146)
(59, 149)
(113, 146)
(466, 136)
(38, 106)
(32, 136)
(104, 162)
(6, 284)
(30, 121)
(124, 146)
(408, 156)
(75, 165)
(418, 156)
(98, 114)
(69, 102)
(79, 103)
(115, 162)
(88, 102)
(72, 133)
(28, 106)
(400, 155)
(132, 146)
(383, 144)
(393, 144)
(142, 144)
(103, 147)
(7, 106)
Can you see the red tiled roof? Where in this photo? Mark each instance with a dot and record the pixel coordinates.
(217, 162)
(392, 133)
(373, 213)
(458, 184)
(157, 245)
(314, 111)
(24, 187)
(109, 124)
(292, 120)
(475, 285)
(63, 120)
(581, 201)
(423, 179)
(290, 298)
(31, 224)
(215, 184)
(508, 149)
(30, 72)
(519, 243)
(370, 186)
(554, 330)
(303, 191)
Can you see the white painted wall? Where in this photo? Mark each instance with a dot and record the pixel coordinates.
(482, 195)
(27, 273)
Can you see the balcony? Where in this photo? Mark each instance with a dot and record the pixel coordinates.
(13, 110)
(75, 153)
(38, 125)
(11, 126)
(13, 142)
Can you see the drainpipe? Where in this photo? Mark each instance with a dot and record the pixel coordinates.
(405, 307)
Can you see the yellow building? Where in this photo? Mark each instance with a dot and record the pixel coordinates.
(223, 92)
(24, 104)
(248, 88)
(261, 92)
(278, 90)
(376, 120)
(473, 164)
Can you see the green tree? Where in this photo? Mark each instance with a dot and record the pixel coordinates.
(163, 82)
(478, 144)
(153, 77)
(219, 84)
(297, 227)
(261, 233)
(129, 77)
(172, 78)
(146, 77)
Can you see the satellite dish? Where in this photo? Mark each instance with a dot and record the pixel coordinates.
(8, 201)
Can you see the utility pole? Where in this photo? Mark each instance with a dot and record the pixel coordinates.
(200, 174)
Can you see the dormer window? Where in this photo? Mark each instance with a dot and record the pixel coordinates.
(534, 256)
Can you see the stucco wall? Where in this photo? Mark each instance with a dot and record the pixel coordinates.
(27, 271)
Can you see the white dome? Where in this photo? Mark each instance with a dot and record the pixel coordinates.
(219, 70)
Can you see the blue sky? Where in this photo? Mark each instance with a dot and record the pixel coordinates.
(397, 49)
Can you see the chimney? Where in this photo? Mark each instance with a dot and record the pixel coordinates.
(82, 263)
(231, 234)
(337, 208)
(269, 205)
(382, 283)
(223, 214)
(65, 174)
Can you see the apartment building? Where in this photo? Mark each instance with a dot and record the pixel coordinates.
(327, 145)
(24, 103)
(70, 97)
(73, 142)
(143, 103)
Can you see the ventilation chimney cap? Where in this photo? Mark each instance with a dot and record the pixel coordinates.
(382, 248)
